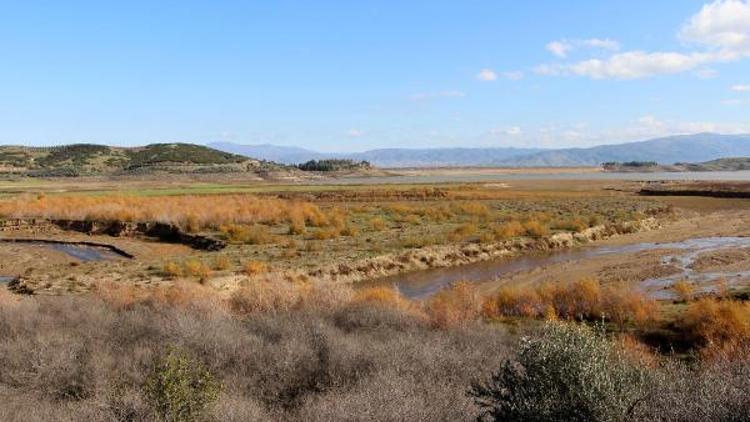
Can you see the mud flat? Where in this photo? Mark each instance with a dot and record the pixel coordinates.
(697, 188)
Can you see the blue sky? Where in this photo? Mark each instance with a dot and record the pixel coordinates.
(347, 76)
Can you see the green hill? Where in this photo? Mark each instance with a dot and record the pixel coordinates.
(92, 160)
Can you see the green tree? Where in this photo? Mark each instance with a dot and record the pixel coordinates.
(180, 388)
(568, 373)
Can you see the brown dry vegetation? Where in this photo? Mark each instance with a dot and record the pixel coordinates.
(585, 299)
(298, 350)
(194, 212)
(280, 352)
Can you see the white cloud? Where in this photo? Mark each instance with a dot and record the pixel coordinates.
(723, 24)
(604, 44)
(355, 133)
(559, 48)
(638, 64)
(741, 88)
(487, 75)
(424, 96)
(721, 27)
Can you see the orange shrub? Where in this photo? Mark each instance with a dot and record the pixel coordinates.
(573, 224)
(252, 235)
(535, 228)
(264, 296)
(684, 290)
(326, 233)
(717, 325)
(379, 295)
(463, 232)
(172, 269)
(516, 301)
(474, 209)
(255, 267)
(188, 211)
(454, 306)
(377, 224)
(584, 299)
(221, 263)
(179, 294)
(197, 268)
(508, 230)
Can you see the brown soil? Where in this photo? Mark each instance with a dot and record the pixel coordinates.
(635, 267)
(734, 259)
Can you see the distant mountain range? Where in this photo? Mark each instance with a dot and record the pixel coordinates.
(668, 150)
(387, 157)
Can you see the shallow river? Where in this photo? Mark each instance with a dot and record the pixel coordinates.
(422, 284)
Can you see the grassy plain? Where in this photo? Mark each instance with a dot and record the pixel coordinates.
(279, 323)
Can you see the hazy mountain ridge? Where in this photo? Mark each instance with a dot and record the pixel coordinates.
(667, 150)
(385, 157)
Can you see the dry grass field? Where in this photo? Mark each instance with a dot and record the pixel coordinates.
(279, 324)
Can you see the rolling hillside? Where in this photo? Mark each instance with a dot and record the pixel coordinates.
(89, 159)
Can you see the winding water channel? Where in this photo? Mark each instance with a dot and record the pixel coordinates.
(422, 284)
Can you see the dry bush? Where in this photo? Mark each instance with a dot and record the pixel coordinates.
(463, 232)
(573, 224)
(382, 296)
(377, 224)
(535, 228)
(454, 306)
(583, 299)
(472, 209)
(508, 230)
(82, 358)
(253, 235)
(718, 326)
(190, 212)
(180, 295)
(197, 268)
(349, 230)
(326, 233)
(172, 269)
(221, 263)
(254, 267)
(622, 304)
(684, 290)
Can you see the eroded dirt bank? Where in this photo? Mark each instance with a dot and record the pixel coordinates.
(164, 232)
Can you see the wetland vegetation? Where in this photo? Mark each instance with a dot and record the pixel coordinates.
(285, 322)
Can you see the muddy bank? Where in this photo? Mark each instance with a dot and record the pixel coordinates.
(60, 243)
(163, 232)
(457, 255)
(697, 188)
